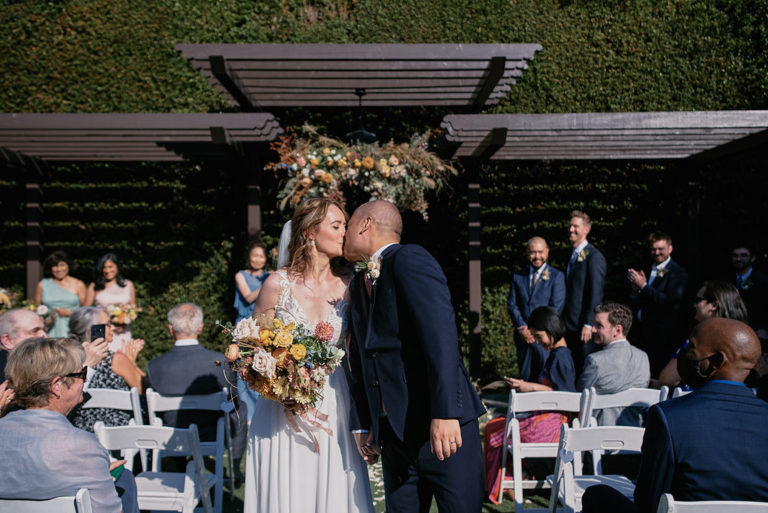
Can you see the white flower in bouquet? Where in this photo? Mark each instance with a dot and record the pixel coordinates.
(41, 310)
(264, 363)
(319, 373)
(247, 330)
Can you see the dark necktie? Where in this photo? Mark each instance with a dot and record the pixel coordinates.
(368, 285)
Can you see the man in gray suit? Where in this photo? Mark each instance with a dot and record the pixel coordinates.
(618, 366)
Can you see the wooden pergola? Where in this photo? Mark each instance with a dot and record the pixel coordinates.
(256, 76)
(696, 136)
(36, 139)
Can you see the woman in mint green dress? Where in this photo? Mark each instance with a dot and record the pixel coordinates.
(60, 292)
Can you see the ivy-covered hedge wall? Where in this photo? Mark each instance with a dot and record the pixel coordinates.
(180, 228)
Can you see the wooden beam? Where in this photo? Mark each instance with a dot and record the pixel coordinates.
(495, 72)
(33, 199)
(222, 74)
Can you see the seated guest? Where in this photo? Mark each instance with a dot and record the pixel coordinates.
(44, 456)
(708, 445)
(16, 325)
(117, 371)
(558, 373)
(191, 369)
(715, 298)
(618, 366)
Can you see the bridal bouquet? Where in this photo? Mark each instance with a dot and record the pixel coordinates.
(122, 313)
(283, 362)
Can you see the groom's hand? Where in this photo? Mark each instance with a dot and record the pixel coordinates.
(366, 447)
(445, 437)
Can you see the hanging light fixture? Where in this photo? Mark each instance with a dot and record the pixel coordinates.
(361, 135)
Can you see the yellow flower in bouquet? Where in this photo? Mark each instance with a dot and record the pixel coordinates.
(368, 163)
(327, 178)
(298, 351)
(283, 338)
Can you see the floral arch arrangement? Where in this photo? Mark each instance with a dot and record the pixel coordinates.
(312, 165)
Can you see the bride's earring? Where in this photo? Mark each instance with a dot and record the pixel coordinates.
(312, 242)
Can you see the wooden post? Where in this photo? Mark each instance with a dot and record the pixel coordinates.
(475, 273)
(32, 214)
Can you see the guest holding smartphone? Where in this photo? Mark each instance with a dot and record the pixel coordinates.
(118, 371)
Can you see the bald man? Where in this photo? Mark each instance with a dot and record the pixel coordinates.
(539, 284)
(710, 444)
(16, 325)
(411, 393)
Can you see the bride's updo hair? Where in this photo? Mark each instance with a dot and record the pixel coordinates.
(308, 216)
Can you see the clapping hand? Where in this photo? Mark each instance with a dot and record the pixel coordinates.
(6, 396)
(95, 351)
(132, 347)
(637, 278)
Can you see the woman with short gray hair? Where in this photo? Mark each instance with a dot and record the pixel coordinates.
(44, 456)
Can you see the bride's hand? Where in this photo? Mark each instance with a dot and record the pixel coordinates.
(293, 407)
(366, 447)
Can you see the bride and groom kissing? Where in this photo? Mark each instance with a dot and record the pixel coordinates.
(403, 395)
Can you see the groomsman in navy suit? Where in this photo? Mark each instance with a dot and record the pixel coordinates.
(657, 301)
(411, 394)
(720, 421)
(584, 280)
(752, 285)
(538, 285)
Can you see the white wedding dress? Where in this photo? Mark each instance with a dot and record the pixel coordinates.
(283, 472)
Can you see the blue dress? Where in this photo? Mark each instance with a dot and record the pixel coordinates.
(245, 309)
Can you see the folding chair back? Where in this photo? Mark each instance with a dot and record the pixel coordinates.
(521, 403)
(667, 504)
(126, 400)
(679, 392)
(567, 485)
(630, 398)
(79, 503)
(164, 490)
(217, 401)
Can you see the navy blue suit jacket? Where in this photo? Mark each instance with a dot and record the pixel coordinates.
(584, 284)
(191, 370)
(549, 292)
(708, 445)
(404, 349)
(660, 302)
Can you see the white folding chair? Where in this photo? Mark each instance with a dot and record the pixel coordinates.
(175, 491)
(79, 503)
(567, 486)
(668, 504)
(521, 403)
(126, 400)
(630, 398)
(217, 401)
(679, 392)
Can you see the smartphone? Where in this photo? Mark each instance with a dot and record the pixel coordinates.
(98, 331)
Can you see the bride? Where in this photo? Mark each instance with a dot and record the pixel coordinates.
(284, 473)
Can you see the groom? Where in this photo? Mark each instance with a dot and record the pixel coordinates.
(410, 391)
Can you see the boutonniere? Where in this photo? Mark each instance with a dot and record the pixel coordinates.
(545, 274)
(582, 255)
(372, 268)
(661, 272)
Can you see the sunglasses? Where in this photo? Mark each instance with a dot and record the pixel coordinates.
(82, 373)
(698, 299)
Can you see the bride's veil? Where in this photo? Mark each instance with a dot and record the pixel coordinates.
(282, 246)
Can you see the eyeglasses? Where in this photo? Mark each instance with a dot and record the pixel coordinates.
(82, 373)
